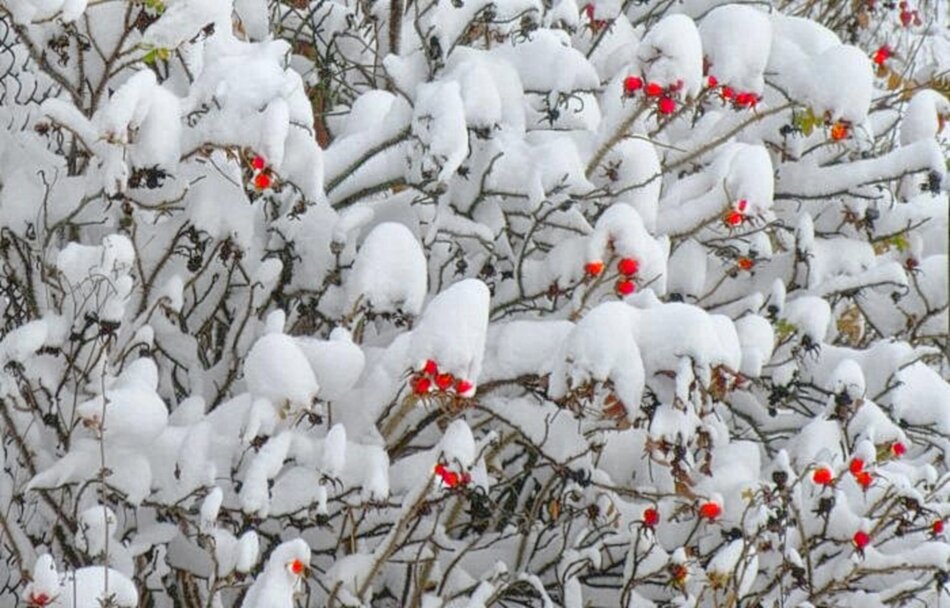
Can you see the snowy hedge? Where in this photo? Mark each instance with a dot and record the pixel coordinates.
(459, 303)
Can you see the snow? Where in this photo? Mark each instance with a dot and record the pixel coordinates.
(737, 40)
(276, 585)
(601, 347)
(276, 369)
(921, 119)
(672, 51)
(389, 273)
(203, 376)
(452, 330)
(849, 68)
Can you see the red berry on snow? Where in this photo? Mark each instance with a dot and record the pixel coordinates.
(856, 466)
(937, 527)
(431, 368)
(898, 449)
(258, 162)
(864, 479)
(906, 18)
(745, 263)
(861, 539)
(651, 517)
(727, 93)
(589, 10)
(654, 90)
(262, 181)
(296, 567)
(632, 84)
(742, 205)
(712, 82)
(666, 105)
(822, 476)
(625, 287)
(734, 218)
(421, 386)
(444, 381)
(710, 510)
(594, 268)
(463, 387)
(628, 266)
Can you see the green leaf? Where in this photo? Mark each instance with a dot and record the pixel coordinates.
(785, 328)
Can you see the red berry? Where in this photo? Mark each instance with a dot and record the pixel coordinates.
(651, 517)
(421, 386)
(898, 449)
(712, 82)
(864, 479)
(746, 100)
(654, 90)
(861, 539)
(856, 466)
(632, 84)
(839, 131)
(463, 387)
(727, 93)
(742, 205)
(38, 599)
(745, 263)
(906, 18)
(625, 287)
(882, 54)
(258, 162)
(734, 218)
(710, 510)
(594, 268)
(937, 527)
(628, 266)
(822, 476)
(430, 368)
(444, 381)
(589, 10)
(262, 181)
(666, 105)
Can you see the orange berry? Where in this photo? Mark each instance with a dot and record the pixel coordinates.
(594, 268)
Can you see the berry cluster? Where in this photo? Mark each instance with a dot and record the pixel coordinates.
(665, 97)
(262, 177)
(429, 380)
(627, 268)
(861, 476)
(740, 100)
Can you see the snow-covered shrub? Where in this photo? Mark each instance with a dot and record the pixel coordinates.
(463, 303)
